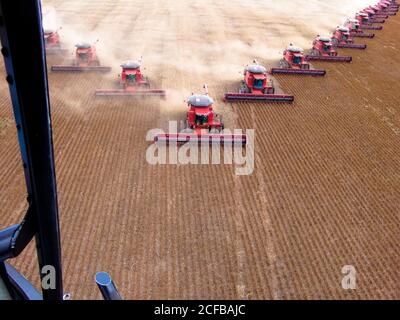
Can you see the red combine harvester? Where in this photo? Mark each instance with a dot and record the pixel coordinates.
(366, 26)
(392, 5)
(132, 83)
(201, 125)
(365, 20)
(382, 9)
(52, 41)
(386, 8)
(355, 31)
(85, 60)
(373, 15)
(257, 86)
(323, 50)
(293, 62)
(341, 39)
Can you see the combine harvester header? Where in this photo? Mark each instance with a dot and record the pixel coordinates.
(132, 83)
(85, 60)
(257, 86)
(293, 62)
(202, 125)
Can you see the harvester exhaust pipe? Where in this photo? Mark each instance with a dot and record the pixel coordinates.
(205, 89)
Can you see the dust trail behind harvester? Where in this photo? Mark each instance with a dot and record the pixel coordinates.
(185, 43)
(248, 29)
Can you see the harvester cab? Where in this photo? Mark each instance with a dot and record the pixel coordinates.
(85, 54)
(341, 36)
(293, 62)
(131, 75)
(257, 86)
(201, 116)
(256, 80)
(353, 25)
(294, 58)
(324, 46)
(202, 125)
(362, 18)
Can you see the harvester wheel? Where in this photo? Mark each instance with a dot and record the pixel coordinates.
(244, 88)
(284, 64)
(95, 63)
(187, 128)
(218, 118)
(214, 131)
(181, 126)
(314, 52)
(146, 82)
(270, 90)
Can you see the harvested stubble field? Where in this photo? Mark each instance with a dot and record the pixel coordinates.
(325, 191)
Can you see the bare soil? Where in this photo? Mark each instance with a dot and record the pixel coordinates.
(325, 191)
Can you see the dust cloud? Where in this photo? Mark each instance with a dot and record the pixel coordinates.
(185, 43)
